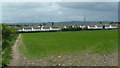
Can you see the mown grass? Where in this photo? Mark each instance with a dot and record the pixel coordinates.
(38, 45)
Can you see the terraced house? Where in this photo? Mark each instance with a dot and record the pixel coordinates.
(58, 28)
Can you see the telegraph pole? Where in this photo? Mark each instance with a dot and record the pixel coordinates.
(84, 19)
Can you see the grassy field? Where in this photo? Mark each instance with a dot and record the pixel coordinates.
(38, 45)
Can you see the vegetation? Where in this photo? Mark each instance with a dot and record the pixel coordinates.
(52, 23)
(12, 25)
(100, 22)
(114, 22)
(71, 29)
(38, 45)
(0, 45)
(9, 35)
(44, 24)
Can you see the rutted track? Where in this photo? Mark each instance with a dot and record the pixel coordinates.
(17, 58)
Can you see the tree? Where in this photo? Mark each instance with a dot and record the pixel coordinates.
(19, 25)
(100, 22)
(118, 22)
(52, 23)
(44, 23)
(40, 24)
(111, 22)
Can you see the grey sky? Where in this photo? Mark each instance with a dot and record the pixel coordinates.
(14, 12)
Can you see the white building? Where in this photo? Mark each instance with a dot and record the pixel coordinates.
(57, 28)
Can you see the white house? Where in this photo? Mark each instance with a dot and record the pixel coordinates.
(54, 28)
(82, 26)
(36, 28)
(112, 26)
(27, 29)
(57, 28)
(95, 26)
(92, 27)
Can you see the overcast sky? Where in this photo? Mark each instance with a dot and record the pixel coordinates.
(14, 12)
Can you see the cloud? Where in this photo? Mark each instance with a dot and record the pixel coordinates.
(59, 1)
(58, 11)
(98, 6)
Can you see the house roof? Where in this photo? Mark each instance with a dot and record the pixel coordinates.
(62, 26)
(99, 25)
(76, 25)
(114, 24)
(92, 25)
(18, 27)
(27, 27)
(36, 27)
(46, 27)
(55, 27)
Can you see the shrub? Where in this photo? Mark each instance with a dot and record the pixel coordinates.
(71, 29)
(9, 35)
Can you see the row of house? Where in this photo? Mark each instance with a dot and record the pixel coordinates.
(59, 27)
(101, 26)
(37, 28)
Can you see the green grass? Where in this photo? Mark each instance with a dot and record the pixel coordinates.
(38, 45)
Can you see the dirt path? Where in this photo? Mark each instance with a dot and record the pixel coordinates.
(18, 59)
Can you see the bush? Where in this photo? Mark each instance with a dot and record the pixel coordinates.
(9, 35)
(71, 29)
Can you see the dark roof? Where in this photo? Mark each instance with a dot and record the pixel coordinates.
(92, 25)
(27, 27)
(114, 24)
(18, 27)
(55, 26)
(36, 27)
(46, 27)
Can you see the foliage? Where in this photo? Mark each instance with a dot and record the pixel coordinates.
(9, 35)
(52, 23)
(44, 24)
(114, 23)
(100, 22)
(17, 25)
(71, 29)
(40, 24)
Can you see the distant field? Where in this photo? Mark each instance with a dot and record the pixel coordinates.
(38, 45)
